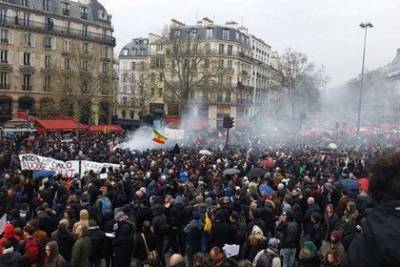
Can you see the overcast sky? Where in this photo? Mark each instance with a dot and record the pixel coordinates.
(326, 30)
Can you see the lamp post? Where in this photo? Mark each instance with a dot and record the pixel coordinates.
(365, 26)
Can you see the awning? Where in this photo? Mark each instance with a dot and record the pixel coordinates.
(59, 125)
(105, 129)
(127, 122)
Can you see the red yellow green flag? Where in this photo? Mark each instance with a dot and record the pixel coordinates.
(159, 138)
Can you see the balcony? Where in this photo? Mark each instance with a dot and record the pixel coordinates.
(26, 87)
(244, 56)
(84, 16)
(57, 30)
(66, 12)
(4, 40)
(4, 86)
(47, 46)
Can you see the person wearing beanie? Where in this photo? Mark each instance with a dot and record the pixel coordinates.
(9, 235)
(53, 258)
(64, 239)
(308, 256)
(9, 257)
(334, 246)
(269, 256)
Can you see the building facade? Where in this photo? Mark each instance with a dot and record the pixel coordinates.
(56, 59)
(203, 71)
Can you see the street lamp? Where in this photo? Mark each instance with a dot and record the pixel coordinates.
(365, 26)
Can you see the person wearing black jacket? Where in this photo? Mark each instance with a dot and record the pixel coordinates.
(377, 245)
(123, 241)
(290, 234)
(177, 221)
(220, 232)
(64, 240)
(97, 237)
(160, 225)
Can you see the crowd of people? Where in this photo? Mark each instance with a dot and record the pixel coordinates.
(254, 203)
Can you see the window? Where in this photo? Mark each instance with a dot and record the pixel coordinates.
(230, 64)
(133, 65)
(24, 3)
(67, 63)
(123, 114)
(103, 34)
(210, 33)
(230, 47)
(67, 46)
(49, 24)
(4, 56)
(225, 34)
(142, 65)
(105, 51)
(65, 9)
(4, 36)
(85, 30)
(47, 61)
(160, 92)
(28, 39)
(206, 63)
(47, 42)
(153, 91)
(46, 85)
(27, 19)
(45, 5)
(132, 114)
(84, 14)
(228, 96)
(219, 97)
(124, 100)
(105, 67)
(84, 65)
(125, 52)
(27, 59)
(208, 49)
(161, 78)
(221, 63)
(85, 47)
(221, 49)
(26, 85)
(3, 14)
(4, 81)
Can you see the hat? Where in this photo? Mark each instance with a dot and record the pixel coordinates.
(257, 233)
(274, 243)
(286, 207)
(9, 230)
(179, 199)
(335, 236)
(120, 215)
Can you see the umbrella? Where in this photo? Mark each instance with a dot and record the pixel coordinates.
(269, 162)
(43, 173)
(265, 190)
(205, 152)
(332, 146)
(256, 172)
(231, 171)
(349, 184)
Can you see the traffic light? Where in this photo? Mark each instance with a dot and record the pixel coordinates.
(228, 122)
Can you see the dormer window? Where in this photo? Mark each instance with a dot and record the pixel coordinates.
(25, 3)
(125, 52)
(102, 15)
(84, 12)
(66, 9)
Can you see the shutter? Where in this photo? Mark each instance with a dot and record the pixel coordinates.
(10, 57)
(21, 58)
(10, 37)
(33, 59)
(42, 61)
(54, 43)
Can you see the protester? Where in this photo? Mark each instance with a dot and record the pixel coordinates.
(82, 248)
(53, 258)
(9, 257)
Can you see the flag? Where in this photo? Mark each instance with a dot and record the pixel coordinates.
(159, 138)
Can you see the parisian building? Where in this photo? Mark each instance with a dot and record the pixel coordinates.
(56, 59)
(235, 69)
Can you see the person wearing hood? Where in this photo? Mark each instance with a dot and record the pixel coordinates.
(160, 225)
(270, 256)
(193, 232)
(64, 239)
(82, 248)
(10, 258)
(123, 241)
(255, 243)
(334, 246)
(83, 220)
(377, 244)
(53, 257)
(9, 235)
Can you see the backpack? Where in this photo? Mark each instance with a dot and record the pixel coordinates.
(207, 223)
(32, 250)
(265, 260)
(106, 205)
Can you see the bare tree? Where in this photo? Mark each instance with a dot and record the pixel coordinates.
(84, 76)
(188, 69)
(303, 81)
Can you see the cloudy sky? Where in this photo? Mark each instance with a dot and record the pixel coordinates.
(326, 30)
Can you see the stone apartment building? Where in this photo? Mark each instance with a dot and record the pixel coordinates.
(56, 59)
(205, 70)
